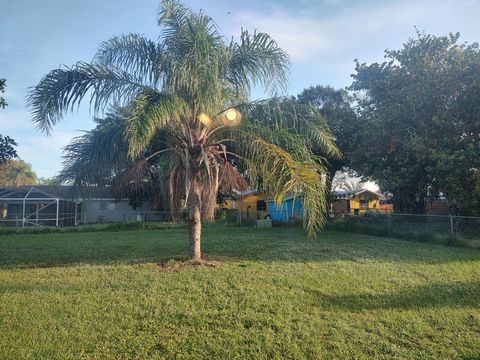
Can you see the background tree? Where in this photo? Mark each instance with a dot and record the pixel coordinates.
(421, 123)
(351, 184)
(16, 173)
(3, 103)
(7, 150)
(47, 181)
(178, 96)
(336, 107)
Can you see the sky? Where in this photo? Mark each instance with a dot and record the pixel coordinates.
(322, 37)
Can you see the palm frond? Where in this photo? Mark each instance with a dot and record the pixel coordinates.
(134, 54)
(93, 158)
(63, 89)
(195, 52)
(140, 181)
(172, 14)
(303, 119)
(255, 59)
(152, 111)
(275, 171)
(231, 179)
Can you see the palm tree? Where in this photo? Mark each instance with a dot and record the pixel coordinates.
(177, 106)
(352, 184)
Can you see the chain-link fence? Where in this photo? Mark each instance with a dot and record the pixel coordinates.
(437, 228)
(43, 219)
(222, 216)
(441, 228)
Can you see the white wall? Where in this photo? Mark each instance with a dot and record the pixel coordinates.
(116, 211)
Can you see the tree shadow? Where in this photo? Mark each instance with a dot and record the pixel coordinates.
(453, 294)
(286, 245)
(227, 244)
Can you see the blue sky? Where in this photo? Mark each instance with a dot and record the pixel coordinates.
(323, 37)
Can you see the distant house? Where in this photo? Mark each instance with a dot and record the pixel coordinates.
(359, 201)
(257, 205)
(43, 205)
(344, 202)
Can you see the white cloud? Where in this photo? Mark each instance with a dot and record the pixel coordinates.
(360, 30)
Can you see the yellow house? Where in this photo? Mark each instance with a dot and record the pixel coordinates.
(359, 201)
(250, 203)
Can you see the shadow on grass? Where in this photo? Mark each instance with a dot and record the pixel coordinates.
(458, 294)
(228, 244)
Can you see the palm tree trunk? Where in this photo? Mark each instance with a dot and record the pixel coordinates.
(194, 222)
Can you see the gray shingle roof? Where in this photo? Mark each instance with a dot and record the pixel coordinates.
(343, 194)
(54, 192)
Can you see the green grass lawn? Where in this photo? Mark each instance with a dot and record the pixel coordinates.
(272, 294)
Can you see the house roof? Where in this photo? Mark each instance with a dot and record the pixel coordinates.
(26, 192)
(54, 192)
(344, 194)
(243, 194)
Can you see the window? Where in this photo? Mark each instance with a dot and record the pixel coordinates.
(261, 205)
(107, 205)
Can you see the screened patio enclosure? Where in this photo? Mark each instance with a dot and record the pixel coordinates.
(34, 206)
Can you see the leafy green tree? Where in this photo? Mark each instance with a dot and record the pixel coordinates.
(7, 150)
(3, 103)
(16, 173)
(420, 128)
(180, 97)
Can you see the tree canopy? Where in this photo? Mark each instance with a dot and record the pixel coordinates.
(336, 107)
(7, 150)
(420, 123)
(16, 173)
(3, 102)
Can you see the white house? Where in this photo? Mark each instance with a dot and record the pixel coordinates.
(66, 206)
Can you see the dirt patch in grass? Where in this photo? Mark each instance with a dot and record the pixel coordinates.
(179, 264)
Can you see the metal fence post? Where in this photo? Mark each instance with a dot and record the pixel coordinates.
(58, 212)
(389, 225)
(452, 230)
